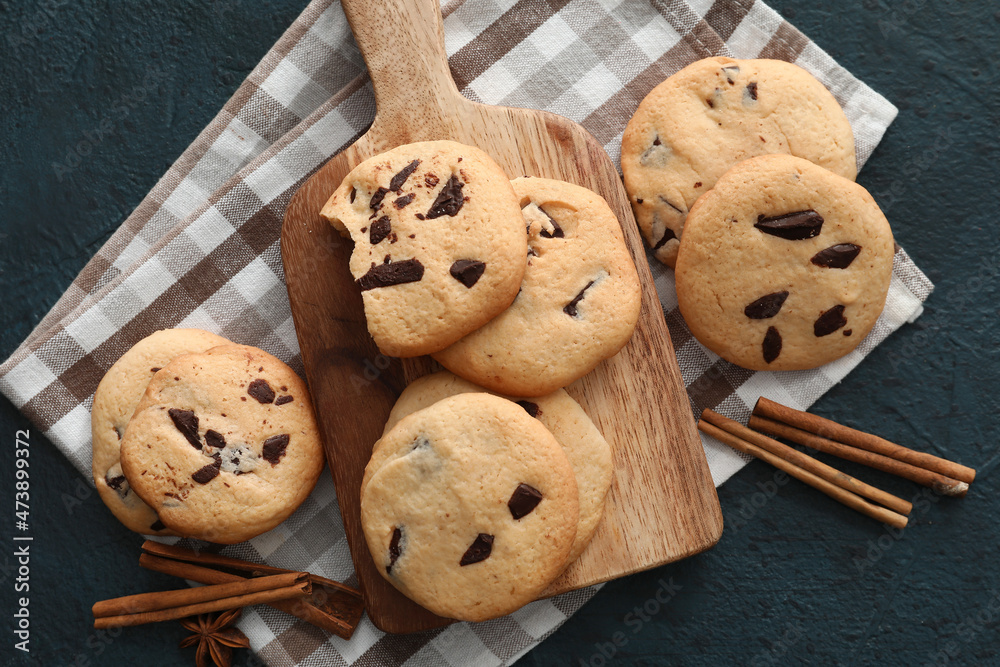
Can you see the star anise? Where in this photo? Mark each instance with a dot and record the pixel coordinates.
(214, 637)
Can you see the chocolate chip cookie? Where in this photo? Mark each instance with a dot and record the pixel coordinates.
(439, 246)
(578, 304)
(115, 401)
(783, 265)
(469, 507)
(712, 114)
(223, 445)
(587, 450)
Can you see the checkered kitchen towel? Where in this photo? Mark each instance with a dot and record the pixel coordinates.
(202, 248)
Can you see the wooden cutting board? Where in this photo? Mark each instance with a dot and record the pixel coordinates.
(662, 505)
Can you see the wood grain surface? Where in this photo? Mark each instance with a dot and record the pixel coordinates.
(662, 505)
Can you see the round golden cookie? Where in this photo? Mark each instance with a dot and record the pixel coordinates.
(115, 401)
(587, 450)
(471, 509)
(783, 265)
(713, 114)
(578, 304)
(223, 445)
(439, 243)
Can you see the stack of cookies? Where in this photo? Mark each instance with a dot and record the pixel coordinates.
(490, 479)
(199, 437)
(741, 175)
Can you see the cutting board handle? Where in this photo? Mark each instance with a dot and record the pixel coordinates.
(402, 42)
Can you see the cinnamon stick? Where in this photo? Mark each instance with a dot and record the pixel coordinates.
(172, 605)
(831, 430)
(806, 462)
(331, 606)
(843, 496)
(315, 609)
(941, 484)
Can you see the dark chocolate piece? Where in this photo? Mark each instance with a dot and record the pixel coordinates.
(449, 201)
(837, 256)
(394, 550)
(387, 275)
(401, 202)
(848, 332)
(119, 484)
(766, 306)
(557, 231)
(530, 407)
(379, 230)
(479, 551)
(397, 181)
(261, 390)
(207, 473)
(570, 308)
(154, 369)
(772, 344)
(376, 201)
(157, 525)
(667, 235)
(731, 72)
(752, 90)
(274, 448)
(281, 400)
(524, 499)
(186, 422)
(829, 321)
(656, 140)
(467, 271)
(214, 439)
(792, 226)
(354, 193)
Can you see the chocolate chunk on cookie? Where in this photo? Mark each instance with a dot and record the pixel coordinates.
(766, 306)
(531, 407)
(771, 347)
(261, 390)
(814, 243)
(274, 448)
(792, 226)
(207, 473)
(457, 243)
(713, 114)
(186, 421)
(829, 321)
(524, 499)
(392, 273)
(478, 551)
(467, 271)
(394, 549)
(449, 200)
(837, 256)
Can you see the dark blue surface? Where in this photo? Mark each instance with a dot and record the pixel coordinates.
(797, 578)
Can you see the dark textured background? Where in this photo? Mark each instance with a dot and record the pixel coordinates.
(797, 578)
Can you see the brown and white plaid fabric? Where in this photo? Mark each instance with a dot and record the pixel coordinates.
(202, 249)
